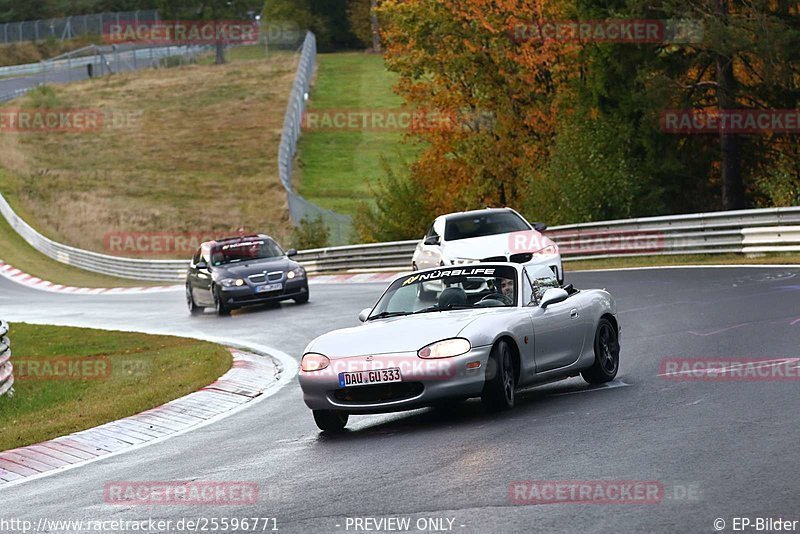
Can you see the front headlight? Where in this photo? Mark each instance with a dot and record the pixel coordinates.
(552, 250)
(445, 349)
(463, 261)
(231, 282)
(314, 362)
(299, 272)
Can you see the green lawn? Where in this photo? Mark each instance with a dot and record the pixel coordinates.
(142, 372)
(337, 168)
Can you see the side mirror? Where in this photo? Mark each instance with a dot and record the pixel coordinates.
(432, 240)
(201, 266)
(539, 227)
(364, 314)
(291, 252)
(553, 295)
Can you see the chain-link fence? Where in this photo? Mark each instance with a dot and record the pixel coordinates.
(69, 27)
(94, 61)
(299, 208)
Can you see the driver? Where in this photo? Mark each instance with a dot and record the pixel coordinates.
(503, 291)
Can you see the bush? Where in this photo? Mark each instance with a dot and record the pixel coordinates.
(311, 233)
(400, 211)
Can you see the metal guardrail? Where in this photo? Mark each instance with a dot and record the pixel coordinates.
(6, 368)
(740, 232)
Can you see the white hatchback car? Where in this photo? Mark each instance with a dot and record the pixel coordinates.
(488, 235)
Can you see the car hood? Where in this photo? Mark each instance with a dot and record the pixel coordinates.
(494, 245)
(245, 269)
(396, 334)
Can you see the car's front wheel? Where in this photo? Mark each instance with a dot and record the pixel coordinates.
(606, 354)
(219, 305)
(302, 299)
(498, 391)
(194, 309)
(330, 420)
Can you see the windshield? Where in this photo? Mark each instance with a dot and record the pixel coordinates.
(482, 224)
(244, 251)
(449, 289)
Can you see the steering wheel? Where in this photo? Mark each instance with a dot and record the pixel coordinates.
(497, 296)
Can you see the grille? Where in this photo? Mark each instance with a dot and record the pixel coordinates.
(258, 278)
(274, 277)
(495, 259)
(521, 258)
(379, 392)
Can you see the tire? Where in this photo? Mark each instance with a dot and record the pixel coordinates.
(219, 306)
(330, 421)
(303, 298)
(194, 309)
(606, 354)
(498, 391)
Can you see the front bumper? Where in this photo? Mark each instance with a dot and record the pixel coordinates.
(247, 294)
(424, 382)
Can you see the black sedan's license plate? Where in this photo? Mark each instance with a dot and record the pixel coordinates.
(365, 378)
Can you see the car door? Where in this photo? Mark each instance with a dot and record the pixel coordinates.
(200, 277)
(558, 330)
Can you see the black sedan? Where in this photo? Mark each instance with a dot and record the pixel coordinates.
(240, 271)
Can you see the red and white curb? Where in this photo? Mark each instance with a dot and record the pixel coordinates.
(15, 275)
(353, 278)
(248, 379)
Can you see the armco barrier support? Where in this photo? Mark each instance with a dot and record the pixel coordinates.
(6, 368)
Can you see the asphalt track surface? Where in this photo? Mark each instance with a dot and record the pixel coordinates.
(732, 446)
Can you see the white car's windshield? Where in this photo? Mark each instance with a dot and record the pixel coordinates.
(483, 224)
(449, 289)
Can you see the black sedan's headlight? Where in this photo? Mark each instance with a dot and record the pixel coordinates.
(231, 282)
(297, 272)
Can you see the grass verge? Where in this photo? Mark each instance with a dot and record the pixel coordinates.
(145, 372)
(680, 260)
(338, 168)
(191, 149)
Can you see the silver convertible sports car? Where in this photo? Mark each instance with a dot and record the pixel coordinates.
(492, 329)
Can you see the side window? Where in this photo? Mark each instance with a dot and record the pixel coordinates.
(541, 279)
(429, 232)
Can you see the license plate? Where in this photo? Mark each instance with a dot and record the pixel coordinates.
(269, 287)
(365, 378)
